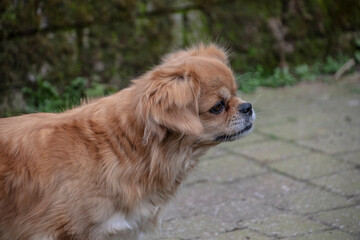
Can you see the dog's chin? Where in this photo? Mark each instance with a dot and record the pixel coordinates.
(232, 137)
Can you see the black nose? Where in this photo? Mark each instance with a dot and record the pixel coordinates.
(246, 108)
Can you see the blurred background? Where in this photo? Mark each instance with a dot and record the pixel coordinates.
(53, 53)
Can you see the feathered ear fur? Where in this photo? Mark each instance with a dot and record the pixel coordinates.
(171, 100)
(200, 50)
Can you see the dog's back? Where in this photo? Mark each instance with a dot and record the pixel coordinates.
(38, 174)
(24, 195)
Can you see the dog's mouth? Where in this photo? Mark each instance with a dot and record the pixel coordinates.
(232, 137)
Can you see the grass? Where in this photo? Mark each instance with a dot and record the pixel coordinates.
(286, 77)
(46, 98)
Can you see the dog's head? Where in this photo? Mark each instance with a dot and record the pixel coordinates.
(193, 93)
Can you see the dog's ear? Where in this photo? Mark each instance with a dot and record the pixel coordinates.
(171, 100)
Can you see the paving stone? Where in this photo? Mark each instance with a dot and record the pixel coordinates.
(252, 138)
(334, 143)
(350, 131)
(318, 118)
(302, 101)
(266, 107)
(327, 235)
(353, 157)
(241, 210)
(346, 219)
(214, 153)
(275, 106)
(312, 111)
(225, 169)
(194, 227)
(266, 118)
(311, 166)
(298, 129)
(348, 108)
(157, 235)
(356, 199)
(285, 225)
(271, 151)
(238, 235)
(310, 200)
(346, 182)
(268, 187)
(199, 198)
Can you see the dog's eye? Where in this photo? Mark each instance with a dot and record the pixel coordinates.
(218, 107)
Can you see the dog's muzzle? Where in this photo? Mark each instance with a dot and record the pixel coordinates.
(244, 126)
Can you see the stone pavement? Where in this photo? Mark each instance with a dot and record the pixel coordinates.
(297, 176)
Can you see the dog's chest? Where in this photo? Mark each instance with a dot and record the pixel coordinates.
(119, 224)
(144, 217)
(116, 223)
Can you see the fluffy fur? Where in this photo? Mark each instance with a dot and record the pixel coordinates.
(104, 169)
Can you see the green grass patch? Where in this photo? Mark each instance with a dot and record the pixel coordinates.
(286, 77)
(44, 97)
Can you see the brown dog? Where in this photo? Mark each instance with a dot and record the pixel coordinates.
(102, 170)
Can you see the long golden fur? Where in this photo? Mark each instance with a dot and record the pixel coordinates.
(104, 169)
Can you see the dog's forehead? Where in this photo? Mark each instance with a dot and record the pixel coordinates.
(219, 79)
(217, 83)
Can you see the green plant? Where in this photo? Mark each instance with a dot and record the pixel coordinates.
(74, 92)
(303, 72)
(285, 76)
(280, 77)
(330, 66)
(250, 81)
(98, 90)
(46, 98)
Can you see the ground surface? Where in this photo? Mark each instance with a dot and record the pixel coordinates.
(296, 177)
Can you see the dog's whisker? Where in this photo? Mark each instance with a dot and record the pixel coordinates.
(257, 98)
(261, 113)
(244, 75)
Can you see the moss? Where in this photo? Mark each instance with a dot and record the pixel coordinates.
(114, 41)
(309, 50)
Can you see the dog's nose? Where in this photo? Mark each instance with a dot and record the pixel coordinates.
(246, 108)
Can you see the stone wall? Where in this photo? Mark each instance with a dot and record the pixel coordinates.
(113, 41)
